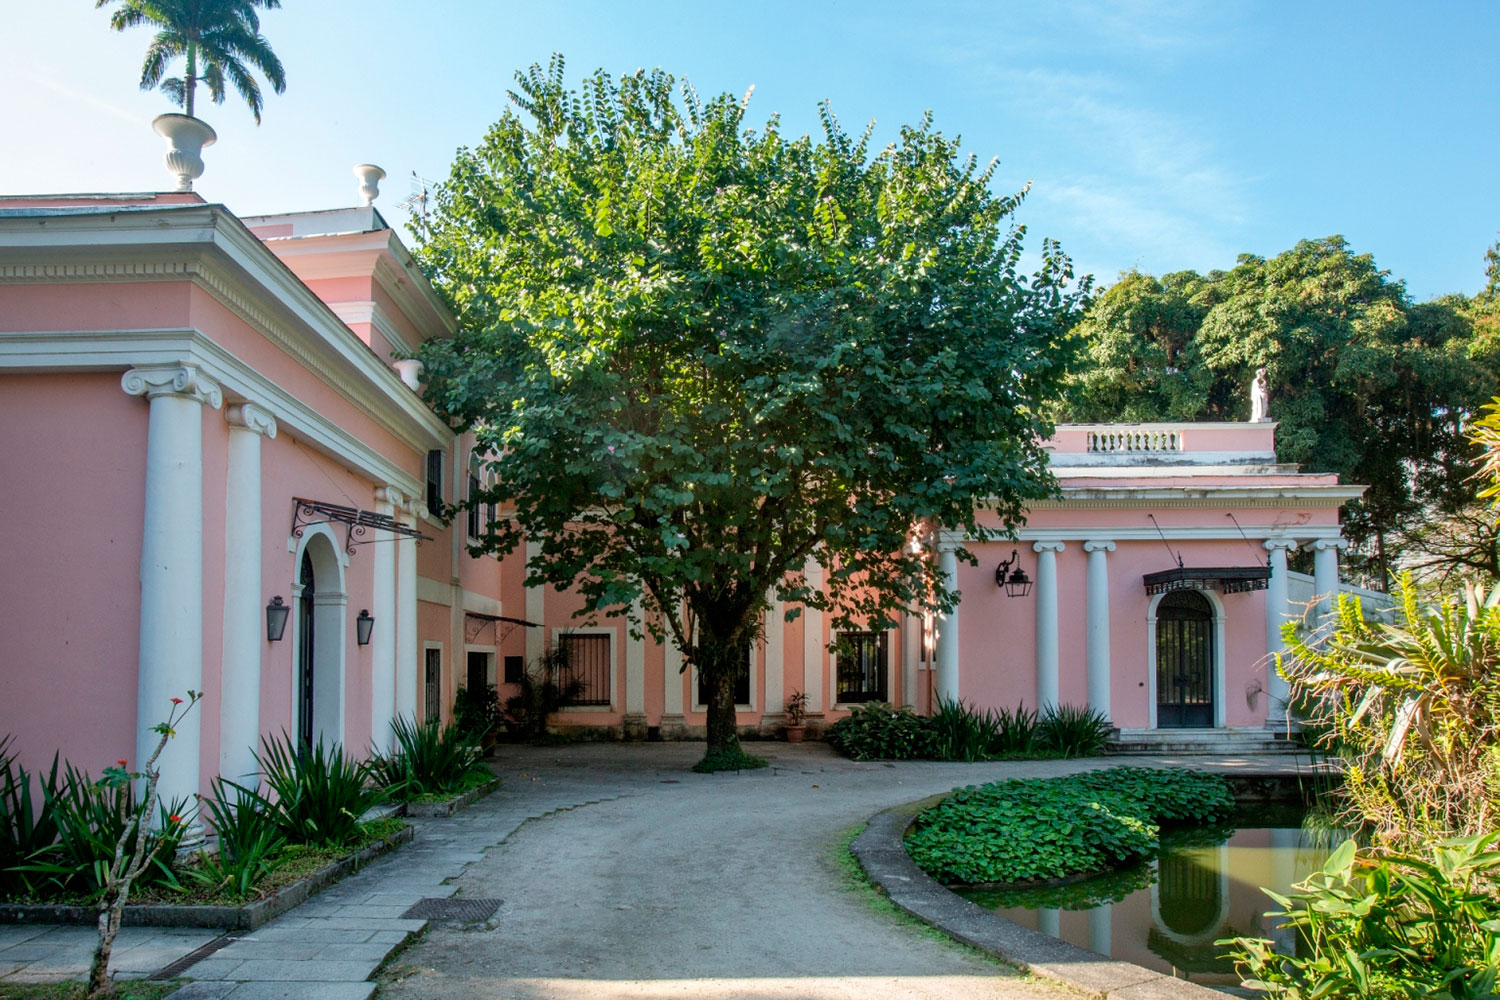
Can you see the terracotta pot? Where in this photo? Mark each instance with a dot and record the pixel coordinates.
(795, 733)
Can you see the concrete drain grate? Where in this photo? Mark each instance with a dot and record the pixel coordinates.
(455, 910)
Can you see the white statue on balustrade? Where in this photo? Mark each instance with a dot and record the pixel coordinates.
(1260, 399)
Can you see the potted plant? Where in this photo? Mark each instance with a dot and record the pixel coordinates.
(796, 712)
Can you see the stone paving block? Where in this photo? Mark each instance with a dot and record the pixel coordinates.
(313, 935)
(382, 912)
(291, 951)
(347, 923)
(204, 991)
(215, 968)
(303, 991)
(389, 937)
(373, 953)
(312, 971)
(10, 936)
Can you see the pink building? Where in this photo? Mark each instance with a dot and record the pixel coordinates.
(203, 429)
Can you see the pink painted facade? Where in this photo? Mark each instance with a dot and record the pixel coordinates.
(173, 378)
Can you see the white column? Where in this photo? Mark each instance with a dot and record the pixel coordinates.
(1326, 573)
(407, 644)
(947, 626)
(383, 639)
(814, 651)
(672, 684)
(244, 603)
(170, 659)
(635, 673)
(536, 608)
(1046, 623)
(1276, 613)
(1096, 602)
(775, 658)
(911, 656)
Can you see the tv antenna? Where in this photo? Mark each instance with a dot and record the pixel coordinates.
(421, 188)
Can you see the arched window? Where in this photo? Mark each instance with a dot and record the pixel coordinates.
(1184, 660)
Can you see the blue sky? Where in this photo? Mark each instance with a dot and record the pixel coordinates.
(1157, 135)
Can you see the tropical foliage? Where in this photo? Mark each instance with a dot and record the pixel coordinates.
(219, 40)
(430, 760)
(1048, 828)
(704, 352)
(1391, 925)
(317, 794)
(959, 731)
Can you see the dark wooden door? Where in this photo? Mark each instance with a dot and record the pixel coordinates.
(305, 647)
(1184, 661)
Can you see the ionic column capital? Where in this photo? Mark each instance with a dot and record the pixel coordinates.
(415, 508)
(1324, 544)
(1048, 546)
(1098, 546)
(390, 495)
(251, 417)
(1285, 544)
(172, 380)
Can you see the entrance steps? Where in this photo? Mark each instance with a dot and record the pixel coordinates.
(1258, 741)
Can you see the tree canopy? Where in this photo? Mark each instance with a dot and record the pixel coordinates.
(216, 38)
(699, 354)
(1363, 382)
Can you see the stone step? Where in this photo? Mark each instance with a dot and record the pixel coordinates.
(1239, 742)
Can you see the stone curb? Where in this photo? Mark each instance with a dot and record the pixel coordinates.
(882, 854)
(241, 918)
(447, 807)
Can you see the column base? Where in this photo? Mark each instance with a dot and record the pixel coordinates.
(635, 726)
(672, 727)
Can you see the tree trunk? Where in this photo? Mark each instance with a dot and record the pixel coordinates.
(109, 926)
(719, 665)
(190, 78)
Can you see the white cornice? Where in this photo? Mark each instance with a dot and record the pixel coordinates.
(1180, 497)
(209, 246)
(94, 350)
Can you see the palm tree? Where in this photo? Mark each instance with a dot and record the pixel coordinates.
(220, 39)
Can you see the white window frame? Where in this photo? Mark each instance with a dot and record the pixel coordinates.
(1221, 703)
(614, 663)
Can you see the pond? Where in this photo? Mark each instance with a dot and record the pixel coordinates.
(1166, 914)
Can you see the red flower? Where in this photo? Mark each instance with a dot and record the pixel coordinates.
(174, 819)
(177, 701)
(121, 762)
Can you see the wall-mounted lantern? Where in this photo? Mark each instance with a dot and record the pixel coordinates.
(363, 626)
(1014, 580)
(276, 615)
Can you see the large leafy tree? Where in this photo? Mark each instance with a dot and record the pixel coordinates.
(1363, 382)
(702, 354)
(220, 41)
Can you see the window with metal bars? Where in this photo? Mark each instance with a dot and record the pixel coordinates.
(433, 686)
(476, 509)
(586, 657)
(861, 667)
(435, 482)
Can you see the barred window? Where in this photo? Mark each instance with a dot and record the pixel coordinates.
(861, 658)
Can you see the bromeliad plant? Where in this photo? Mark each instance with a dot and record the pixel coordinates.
(317, 793)
(25, 831)
(250, 843)
(430, 759)
(1387, 925)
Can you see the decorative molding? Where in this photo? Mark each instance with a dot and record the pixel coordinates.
(434, 591)
(1049, 545)
(1200, 497)
(1337, 544)
(1098, 546)
(251, 418)
(391, 495)
(1272, 544)
(185, 380)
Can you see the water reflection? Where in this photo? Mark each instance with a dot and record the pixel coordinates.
(1166, 914)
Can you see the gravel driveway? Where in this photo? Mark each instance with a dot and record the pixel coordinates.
(673, 884)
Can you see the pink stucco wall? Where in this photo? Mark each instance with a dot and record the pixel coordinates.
(72, 501)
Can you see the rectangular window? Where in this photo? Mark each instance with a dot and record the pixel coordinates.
(435, 482)
(513, 667)
(433, 686)
(586, 658)
(476, 509)
(861, 667)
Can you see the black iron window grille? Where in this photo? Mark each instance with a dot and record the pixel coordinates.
(861, 659)
(433, 686)
(586, 658)
(435, 482)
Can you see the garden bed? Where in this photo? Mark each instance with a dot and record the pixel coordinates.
(230, 916)
(434, 807)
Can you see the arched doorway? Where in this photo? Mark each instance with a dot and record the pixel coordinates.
(1184, 660)
(318, 688)
(306, 651)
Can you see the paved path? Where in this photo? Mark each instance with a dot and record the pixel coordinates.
(624, 875)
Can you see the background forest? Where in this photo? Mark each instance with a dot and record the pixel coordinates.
(1364, 382)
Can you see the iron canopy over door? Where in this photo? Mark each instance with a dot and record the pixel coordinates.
(1184, 661)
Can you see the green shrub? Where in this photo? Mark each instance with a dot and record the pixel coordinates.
(1015, 733)
(962, 732)
(546, 686)
(1387, 925)
(1033, 829)
(89, 818)
(1073, 731)
(24, 830)
(730, 759)
(250, 842)
(430, 759)
(317, 794)
(476, 712)
(876, 731)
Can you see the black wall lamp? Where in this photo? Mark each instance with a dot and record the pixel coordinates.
(1016, 583)
(276, 615)
(363, 626)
